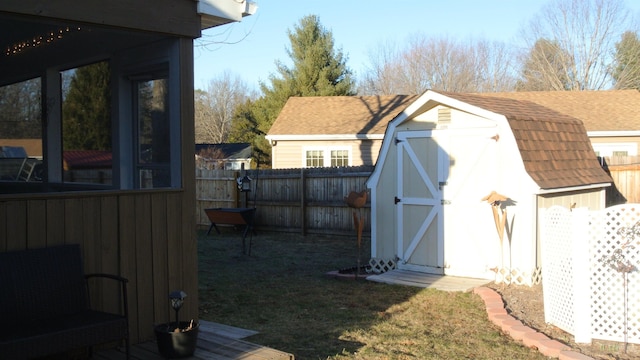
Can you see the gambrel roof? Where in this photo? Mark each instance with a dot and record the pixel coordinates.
(555, 148)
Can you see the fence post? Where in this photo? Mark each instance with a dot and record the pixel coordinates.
(303, 191)
(581, 275)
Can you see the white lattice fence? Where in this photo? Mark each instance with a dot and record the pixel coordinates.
(614, 236)
(590, 272)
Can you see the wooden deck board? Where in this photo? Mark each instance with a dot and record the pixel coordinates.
(424, 280)
(215, 341)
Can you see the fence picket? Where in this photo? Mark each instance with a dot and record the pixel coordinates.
(309, 200)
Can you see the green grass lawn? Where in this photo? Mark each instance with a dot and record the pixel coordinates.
(281, 291)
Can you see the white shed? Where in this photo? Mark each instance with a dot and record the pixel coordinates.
(445, 153)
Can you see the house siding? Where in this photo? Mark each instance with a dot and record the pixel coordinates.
(609, 143)
(291, 154)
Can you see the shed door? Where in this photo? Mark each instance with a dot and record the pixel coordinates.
(419, 208)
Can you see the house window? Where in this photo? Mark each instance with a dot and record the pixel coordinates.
(86, 124)
(153, 141)
(331, 157)
(315, 158)
(21, 131)
(339, 158)
(620, 153)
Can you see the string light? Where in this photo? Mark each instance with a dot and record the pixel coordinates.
(40, 40)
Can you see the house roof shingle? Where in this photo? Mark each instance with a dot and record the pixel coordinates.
(228, 151)
(338, 115)
(555, 148)
(611, 110)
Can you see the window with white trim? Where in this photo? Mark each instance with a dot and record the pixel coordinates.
(326, 157)
(339, 158)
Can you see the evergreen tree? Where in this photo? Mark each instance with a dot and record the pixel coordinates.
(318, 70)
(626, 71)
(86, 114)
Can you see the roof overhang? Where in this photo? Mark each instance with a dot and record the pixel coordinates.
(219, 12)
(573, 188)
(324, 137)
(630, 133)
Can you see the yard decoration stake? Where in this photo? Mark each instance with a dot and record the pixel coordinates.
(499, 218)
(356, 200)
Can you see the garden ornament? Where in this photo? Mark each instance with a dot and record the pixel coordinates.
(499, 218)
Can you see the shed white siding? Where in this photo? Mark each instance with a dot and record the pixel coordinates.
(482, 156)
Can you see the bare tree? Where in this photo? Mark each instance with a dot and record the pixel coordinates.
(440, 64)
(215, 105)
(545, 68)
(577, 44)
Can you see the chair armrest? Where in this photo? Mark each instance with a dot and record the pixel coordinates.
(123, 284)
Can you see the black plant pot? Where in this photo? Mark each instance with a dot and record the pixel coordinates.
(173, 345)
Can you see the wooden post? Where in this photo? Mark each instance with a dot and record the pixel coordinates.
(236, 193)
(303, 191)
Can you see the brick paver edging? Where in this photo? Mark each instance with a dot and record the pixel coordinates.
(517, 330)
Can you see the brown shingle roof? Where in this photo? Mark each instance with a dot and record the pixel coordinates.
(338, 115)
(612, 110)
(555, 148)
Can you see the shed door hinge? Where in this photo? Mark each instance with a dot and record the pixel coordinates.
(396, 200)
(396, 140)
(445, 202)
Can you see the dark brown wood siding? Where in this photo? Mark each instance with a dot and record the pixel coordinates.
(144, 236)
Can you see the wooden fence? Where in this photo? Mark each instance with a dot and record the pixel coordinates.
(625, 172)
(289, 200)
(312, 200)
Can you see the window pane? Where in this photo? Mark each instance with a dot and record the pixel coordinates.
(315, 158)
(619, 153)
(339, 158)
(21, 131)
(153, 155)
(86, 124)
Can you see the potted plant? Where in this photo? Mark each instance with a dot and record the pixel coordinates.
(177, 339)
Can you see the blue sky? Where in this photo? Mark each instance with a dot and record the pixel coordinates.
(358, 27)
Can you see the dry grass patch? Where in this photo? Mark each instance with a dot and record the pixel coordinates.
(282, 292)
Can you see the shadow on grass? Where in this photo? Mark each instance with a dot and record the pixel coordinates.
(281, 290)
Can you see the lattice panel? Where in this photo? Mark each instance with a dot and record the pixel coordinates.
(557, 268)
(518, 277)
(614, 239)
(379, 266)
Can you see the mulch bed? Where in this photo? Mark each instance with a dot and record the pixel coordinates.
(526, 304)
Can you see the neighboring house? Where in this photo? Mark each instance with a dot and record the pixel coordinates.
(445, 153)
(611, 117)
(142, 230)
(33, 147)
(309, 130)
(88, 166)
(329, 131)
(228, 156)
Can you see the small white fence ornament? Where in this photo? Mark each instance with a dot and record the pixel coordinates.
(590, 262)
